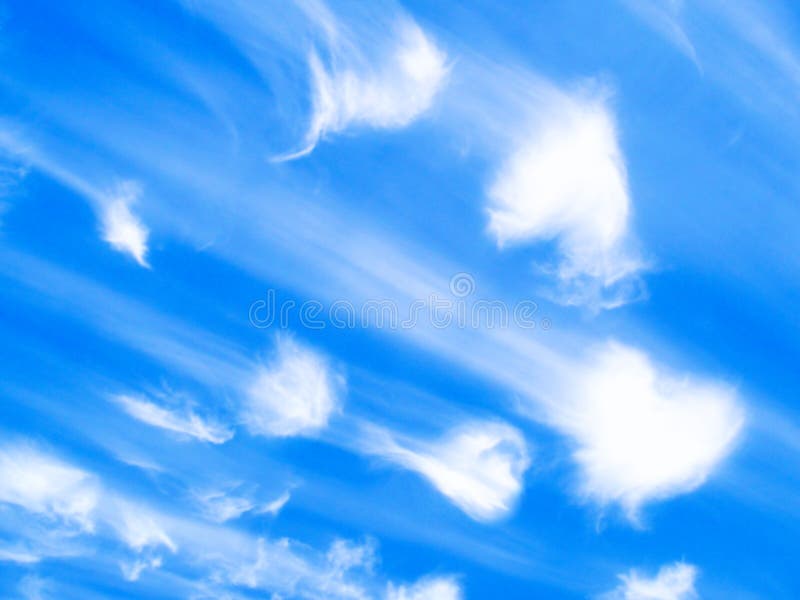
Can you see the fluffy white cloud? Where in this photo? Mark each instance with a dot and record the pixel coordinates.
(185, 422)
(294, 395)
(479, 466)
(567, 182)
(431, 588)
(43, 484)
(120, 227)
(383, 87)
(641, 434)
(673, 582)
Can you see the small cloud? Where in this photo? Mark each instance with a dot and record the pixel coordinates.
(294, 395)
(673, 582)
(132, 571)
(19, 556)
(641, 434)
(120, 227)
(383, 88)
(220, 507)
(567, 182)
(185, 421)
(274, 507)
(43, 484)
(139, 528)
(479, 466)
(429, 588)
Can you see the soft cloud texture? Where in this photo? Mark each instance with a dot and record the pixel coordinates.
(43, 484)
(431, 588)
(673, 582)
(295, 394)
(479, 466)
(567, 182)
(184, 422)
(120, 227)
(380, 87)
(641, 434)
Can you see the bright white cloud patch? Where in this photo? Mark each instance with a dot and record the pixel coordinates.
(567, 182)
(385, 88)
(185, 422)
(294, 395)
(431, 588)
(673, 582)
(140, 528)
(120, 227)
(479, 467)
(640, 434)
(45, 485)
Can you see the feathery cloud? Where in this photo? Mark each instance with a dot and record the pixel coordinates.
(43, 484)
(383, 87)
(673, 582)
(185, 423)
(478, 466)
(296, 394)
(429, 588)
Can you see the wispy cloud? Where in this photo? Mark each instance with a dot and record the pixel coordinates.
(640, 433)
(386, 86)
(45, 485)
(672, 582)
(432, 588)
(184, 422)
(477, 466)
(295, 394)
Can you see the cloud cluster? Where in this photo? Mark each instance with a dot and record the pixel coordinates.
(478, 466)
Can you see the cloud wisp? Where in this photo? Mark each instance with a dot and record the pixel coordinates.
(184, 422)
(478, 466)
(672, 582)
(356, 89)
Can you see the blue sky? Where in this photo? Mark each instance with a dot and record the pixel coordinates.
(422, 301)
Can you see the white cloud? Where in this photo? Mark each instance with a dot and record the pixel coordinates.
(294, 395)
(567, 182)
(431, 588)
(380, 87)
(220, 507)
(132, 571)
(140, 528)
(673, 582)
(479, 466)
(19, 556)
(275, 506)
(185, 422)
(44, 485)
(641, 434)
(120, 227)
